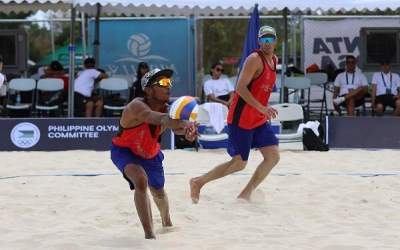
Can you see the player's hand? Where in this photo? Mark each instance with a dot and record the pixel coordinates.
(270, 112)
(191, 131)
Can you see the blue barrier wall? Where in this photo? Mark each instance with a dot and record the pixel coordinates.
(47, 134)
(364, 132)
(162, 43)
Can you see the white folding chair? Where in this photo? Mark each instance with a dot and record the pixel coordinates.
(233, 80)
(274, 98)
(111, 88)
(17, 86)
(208, 137)
(299, 84)
(319, 79)
(128, 78)
(289, 112)
(53, 87)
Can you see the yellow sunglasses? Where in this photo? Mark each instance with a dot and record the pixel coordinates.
(165, 82)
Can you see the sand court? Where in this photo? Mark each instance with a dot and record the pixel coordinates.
(341, 199)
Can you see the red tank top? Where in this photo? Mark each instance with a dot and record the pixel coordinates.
(243, 114)
(140, 140)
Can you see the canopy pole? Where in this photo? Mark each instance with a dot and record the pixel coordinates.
(71, 49)
(284, 91)
(83, 31)
(53, 47)
(96, 42)
(293, 29)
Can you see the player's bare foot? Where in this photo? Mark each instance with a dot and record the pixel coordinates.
(167, 222)
(244, 197)
(150, 236)
(194, 190)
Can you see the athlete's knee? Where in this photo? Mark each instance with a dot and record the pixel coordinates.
(140, 182)
(276, 157)
(158, 193)
(271, 154)
(137, 176)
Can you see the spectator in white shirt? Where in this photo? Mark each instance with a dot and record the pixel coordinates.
(2, 77)
(3, 88)
(218, 89)
(85, 100)
(385, 90)
(350, 87)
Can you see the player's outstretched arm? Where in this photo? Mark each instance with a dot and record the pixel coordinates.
(141, 112)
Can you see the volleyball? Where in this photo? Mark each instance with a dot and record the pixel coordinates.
(139, 44)
(184, 108)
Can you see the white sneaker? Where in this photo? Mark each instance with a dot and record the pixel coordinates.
(339, 100)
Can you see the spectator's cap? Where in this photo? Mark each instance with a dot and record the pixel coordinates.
(149, 78)
(266, 30)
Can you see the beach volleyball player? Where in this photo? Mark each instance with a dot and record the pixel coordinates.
(136, 150)
(248, 117)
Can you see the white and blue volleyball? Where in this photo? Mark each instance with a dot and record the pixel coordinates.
(184, 108)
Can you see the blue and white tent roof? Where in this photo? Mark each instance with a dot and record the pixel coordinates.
(7, 6)
(228, 7)
(195, 7)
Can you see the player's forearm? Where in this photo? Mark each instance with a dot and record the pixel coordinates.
(230, 97)
(173, 124)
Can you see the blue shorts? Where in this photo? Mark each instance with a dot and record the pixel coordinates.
(242, 140)
(153, 167)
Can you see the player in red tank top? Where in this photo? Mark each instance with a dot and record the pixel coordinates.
(248, 117)
(136, 151)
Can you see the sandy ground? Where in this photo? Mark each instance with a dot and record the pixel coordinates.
(337, 200)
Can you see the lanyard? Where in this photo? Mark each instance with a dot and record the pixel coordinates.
(352, 80)
(383, 79)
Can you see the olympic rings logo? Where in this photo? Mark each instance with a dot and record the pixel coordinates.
(25, 135)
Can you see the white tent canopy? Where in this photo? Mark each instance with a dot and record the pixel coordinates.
(227, 7)
(16, 6)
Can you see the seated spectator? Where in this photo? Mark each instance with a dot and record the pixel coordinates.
(137, 90)
(84, 85)
(3, 87)
(350, 87)
(218, 89)
(385, 90)
(55, 70)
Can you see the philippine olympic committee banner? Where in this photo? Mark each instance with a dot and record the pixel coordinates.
(50, 134)
(328, 42)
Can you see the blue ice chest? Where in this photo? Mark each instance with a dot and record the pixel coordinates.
(210, 139)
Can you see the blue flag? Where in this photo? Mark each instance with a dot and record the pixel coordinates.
(251, 42)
